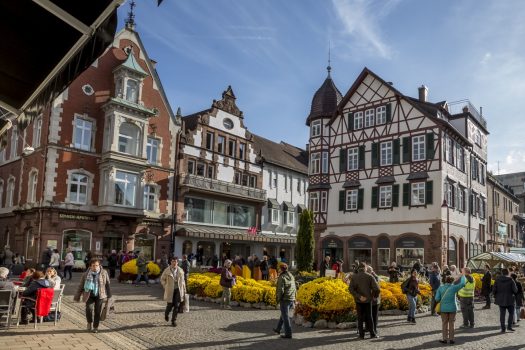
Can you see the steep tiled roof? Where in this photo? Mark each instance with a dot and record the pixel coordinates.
(281, 154)
(325, 100)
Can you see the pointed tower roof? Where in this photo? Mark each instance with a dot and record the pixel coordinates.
(131, 64)
(325, 100)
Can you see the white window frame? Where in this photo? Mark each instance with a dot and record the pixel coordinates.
(316, 128)
(37, 132)
(385, 196)
(450, 149)
(324, 162)
(74, 197)
(449, 194)
(417, 194)
(315, 161)
(461, 199)
(275, 216)
(32, 188)
(211, 137)
(128, 98)
(83, 144)
(381, 115)
(10, 192)
(150, 145)
(132, 142)
(289, 218)
(353, 159)
(386, 153)
(418, 148)
(221, 144)
(14, 142)
(127, 182)
(149, 194)
(358, 120)
(324, 201)
(314, 202)
(369, 118)
(352, 198)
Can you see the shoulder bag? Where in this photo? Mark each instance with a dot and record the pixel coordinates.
(438, 305)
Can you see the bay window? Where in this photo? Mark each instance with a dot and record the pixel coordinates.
(129, 139)
(125, 188)
(314, 202)
(315, 163)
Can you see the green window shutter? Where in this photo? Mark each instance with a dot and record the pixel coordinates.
(374, 197)
(361, 157)
(342, 195)
(395, 195)
(360, 198)
(406, 194)
(375, 154)
(350, 121)
(407, 149)
(396, 150)
(388, 112)
(342, 160)
(430, 145)
(429, 192)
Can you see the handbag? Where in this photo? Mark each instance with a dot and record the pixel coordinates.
(522, 313)
(437, 308)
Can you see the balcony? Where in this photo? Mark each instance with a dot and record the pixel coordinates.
(458, 107)
(204, 184)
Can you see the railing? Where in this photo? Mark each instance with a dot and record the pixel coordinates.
(458, 107)
(222, 187)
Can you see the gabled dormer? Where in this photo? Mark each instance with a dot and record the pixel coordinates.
(129, 77)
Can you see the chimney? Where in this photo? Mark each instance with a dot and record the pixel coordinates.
(423, 93)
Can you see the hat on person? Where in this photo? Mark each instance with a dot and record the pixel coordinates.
(284, 267)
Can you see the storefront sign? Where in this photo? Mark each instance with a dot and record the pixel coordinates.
(76, 217)
(359, 243)
(152, 223)
(502, 229)
(332, 243)
(411, 242)
(52, 243)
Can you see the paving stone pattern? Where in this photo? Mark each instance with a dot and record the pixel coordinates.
(139, 324)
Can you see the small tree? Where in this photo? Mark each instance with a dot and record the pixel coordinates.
(305, 241)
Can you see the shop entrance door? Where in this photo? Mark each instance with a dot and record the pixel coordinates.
(111, 242)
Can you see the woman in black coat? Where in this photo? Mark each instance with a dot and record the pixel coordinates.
(504, 291)
(486, 286)
(519, 296)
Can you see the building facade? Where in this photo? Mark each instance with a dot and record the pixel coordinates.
(102, 170)
(285, 180)
(516, 183)
(220, 189)
(398, 178)
(504, 222)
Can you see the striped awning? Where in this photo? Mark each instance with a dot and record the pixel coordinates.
(495, 258)
(229, 234)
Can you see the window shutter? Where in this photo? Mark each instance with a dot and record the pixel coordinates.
(406, 194)
(407, 149)
(388, 112)
(342, 160)
(350, 121)
(429, 192)
(361, 157)
(375, 154)
(396, 151)
(430, 145)
(360, 198)
(342, 198)
(395, 195)
(374, 197)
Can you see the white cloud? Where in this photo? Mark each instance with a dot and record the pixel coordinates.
(514, 162)
(486, 58)
(360, 20)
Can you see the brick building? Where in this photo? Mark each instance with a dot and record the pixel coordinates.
(101, 173)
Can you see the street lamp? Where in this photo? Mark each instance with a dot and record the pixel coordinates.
(445, 205)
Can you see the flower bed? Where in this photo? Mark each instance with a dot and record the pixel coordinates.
(129, 270)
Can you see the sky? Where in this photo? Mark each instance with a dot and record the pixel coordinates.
(274, 54)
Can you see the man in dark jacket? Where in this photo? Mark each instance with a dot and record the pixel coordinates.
(486, 286)
(46, 258)
(364, 287)
(504, 290)
(435, 282)
(325, 265)
(185, 266)
(285, 295)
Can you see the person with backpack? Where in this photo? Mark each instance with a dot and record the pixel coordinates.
(411, 288)
(446, 297)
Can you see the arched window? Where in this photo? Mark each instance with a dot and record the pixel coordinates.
(132, 91)
(9, 200)
(37, 132)
(452, 252)
(1, 193)
(33, 182)
(129, 139)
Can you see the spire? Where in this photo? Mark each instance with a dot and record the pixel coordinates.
(329, 68)
(179, 113)
(130, 21)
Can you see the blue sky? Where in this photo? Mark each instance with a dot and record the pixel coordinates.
(274, 55)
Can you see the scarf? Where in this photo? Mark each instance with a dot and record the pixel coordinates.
(91, 283)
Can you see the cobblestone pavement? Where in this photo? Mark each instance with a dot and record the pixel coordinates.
(139, 324)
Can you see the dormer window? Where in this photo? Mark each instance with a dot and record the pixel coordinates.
(132, 90)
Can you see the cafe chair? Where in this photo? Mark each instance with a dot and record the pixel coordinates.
(6, 305)
(42, 304)
(57, 302)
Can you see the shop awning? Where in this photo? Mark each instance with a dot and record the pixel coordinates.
(287, 206)
(496, 258)
(228, 234)
(273, 204)
(45, 45)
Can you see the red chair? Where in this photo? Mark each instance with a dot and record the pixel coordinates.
(42, 304)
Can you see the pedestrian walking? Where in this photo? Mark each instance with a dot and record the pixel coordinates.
(325, 265)
(285, 295)
(46, 258)
(411, 288)
(504, 290)
(435, 283)
(265, 269)
(185, 265)
(227, 282)
(87, 259)
(519, 299)
(172, 279)
(112, 263)
(466, 299)
(446, 296)
(486, 286)
(94, 289)
(142, 269)
(69, 262)
(376, 300)
(393, 273)
(363, 287)
(54, 262)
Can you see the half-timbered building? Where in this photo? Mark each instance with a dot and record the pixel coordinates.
(398, 178)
